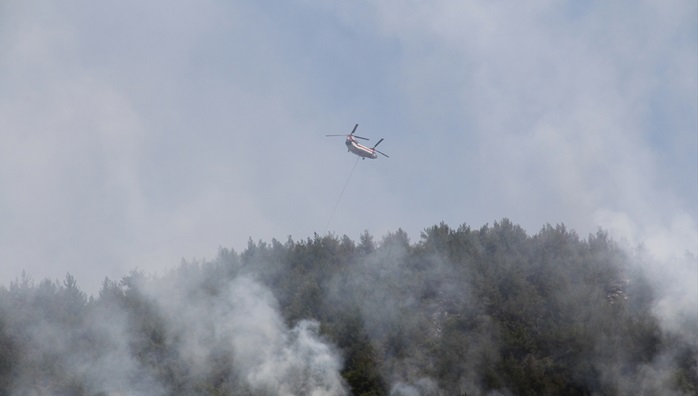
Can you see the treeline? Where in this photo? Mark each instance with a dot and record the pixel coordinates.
(460, 312)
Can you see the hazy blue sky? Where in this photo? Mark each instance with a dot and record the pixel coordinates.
(135, 133)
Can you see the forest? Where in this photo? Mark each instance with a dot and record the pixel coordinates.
(462, 311)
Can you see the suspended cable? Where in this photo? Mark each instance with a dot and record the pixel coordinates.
(340, 194)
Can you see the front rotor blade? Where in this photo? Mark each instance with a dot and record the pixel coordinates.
(382, 153)
(346, 136)
(379, 142)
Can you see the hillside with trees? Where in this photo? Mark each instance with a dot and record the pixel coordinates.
(462, 311)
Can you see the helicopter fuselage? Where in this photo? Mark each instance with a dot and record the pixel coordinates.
(359, 149)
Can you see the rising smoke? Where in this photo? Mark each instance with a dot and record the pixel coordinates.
(233, 338)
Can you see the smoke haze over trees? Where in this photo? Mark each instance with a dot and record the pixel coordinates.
(460, 312)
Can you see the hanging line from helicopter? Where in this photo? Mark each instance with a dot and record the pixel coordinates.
(340, 194)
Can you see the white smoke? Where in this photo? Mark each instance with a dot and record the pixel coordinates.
(244, 320)
(171, 335)
(422, 386)
(88, 354)
(113, 370)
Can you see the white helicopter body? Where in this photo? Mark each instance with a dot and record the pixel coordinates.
(359, 149)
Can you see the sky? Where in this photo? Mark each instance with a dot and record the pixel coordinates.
(137, 134)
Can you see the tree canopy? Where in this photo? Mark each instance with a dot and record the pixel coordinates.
(460, 312)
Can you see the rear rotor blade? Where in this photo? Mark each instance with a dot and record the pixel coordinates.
(359, 137)
(354, 130)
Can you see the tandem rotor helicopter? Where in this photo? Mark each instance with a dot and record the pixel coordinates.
(358, 148)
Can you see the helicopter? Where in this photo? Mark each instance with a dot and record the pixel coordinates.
(358, 148)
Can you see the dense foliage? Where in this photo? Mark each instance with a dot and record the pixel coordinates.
(462, 311)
